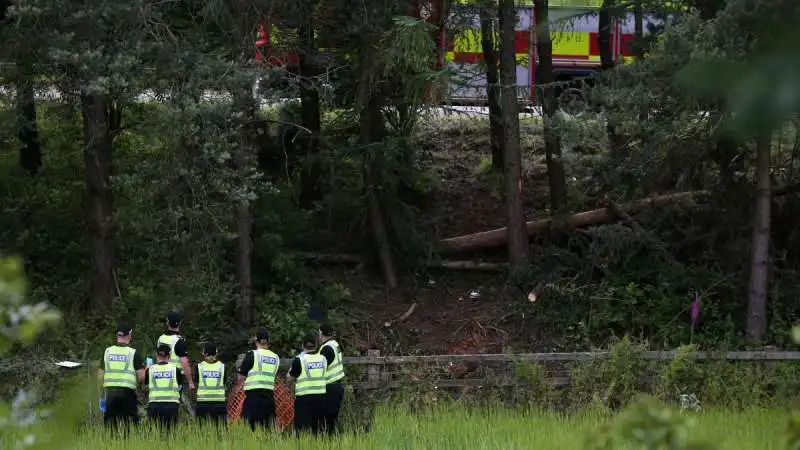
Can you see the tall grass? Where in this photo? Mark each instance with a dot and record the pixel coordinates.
(452, 428)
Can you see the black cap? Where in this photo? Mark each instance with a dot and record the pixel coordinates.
(326, 329)
(124, 328)
(210, 350)
(174, 318)
(262, 334)
(163, 350)
(309, 341)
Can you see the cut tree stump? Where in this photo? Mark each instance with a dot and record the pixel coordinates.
(499, 236)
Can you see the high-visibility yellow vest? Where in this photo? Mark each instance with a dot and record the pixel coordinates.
(262, 374)
(212, 382)
(171, 340)
(335, 371)
(312, 379)
(163, 384)
(118, 370)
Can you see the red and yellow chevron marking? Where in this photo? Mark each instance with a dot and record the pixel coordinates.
(572, 48)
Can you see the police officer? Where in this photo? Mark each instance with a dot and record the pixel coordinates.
(179, 349)
(163, 383)
(308, 369)
(257, 375)
(334, 390)
(210, 381)
(122, 368)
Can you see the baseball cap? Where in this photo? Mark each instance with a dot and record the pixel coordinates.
(326, 329)
(163, 350)
(262, 334)
(209, 350)
(124, 328)
(174, 318)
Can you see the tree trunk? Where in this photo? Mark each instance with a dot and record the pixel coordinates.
(488, 40)
(310, 111)
(499, 236)
(244, 160)
(605, 25)
(30, 150)
(370, 123)
(638, 30)
(100, 121)
(556, 174)
(708, 9)
(759, 264)
(518, 248)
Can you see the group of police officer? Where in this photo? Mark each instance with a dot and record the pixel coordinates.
(317, 374)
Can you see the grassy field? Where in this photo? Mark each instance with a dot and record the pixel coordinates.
(462, 429)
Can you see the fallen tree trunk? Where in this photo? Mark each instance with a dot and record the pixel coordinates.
(498, 236)
(340, 258)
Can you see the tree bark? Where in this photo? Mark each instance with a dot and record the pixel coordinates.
(100, 121)
(709, 8)
(518, 249)
(499, 236)
(556, 174)
(370, 122)
(310, 109)
(244, 161)
(30, 150)
(488, 40)
(759, 264)
(638, 30)
(605, 24)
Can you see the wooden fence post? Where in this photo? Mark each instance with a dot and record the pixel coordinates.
(374, 369)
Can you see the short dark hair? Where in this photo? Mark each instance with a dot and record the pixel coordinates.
(326, 329)
(262, 335)
(210, 350)
(124, 327)
(174, 318)
(309, 341)
(163, 350)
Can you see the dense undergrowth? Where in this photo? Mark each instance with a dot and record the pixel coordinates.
(174, 242)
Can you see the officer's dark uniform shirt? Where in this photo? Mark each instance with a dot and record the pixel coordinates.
(297, 368)
(138, 364)
(328, 353)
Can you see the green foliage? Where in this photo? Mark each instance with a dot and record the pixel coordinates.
(612, 381)
(23, 422)
(539, 391)
(648, 425)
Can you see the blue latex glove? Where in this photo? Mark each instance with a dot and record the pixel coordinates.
(149, 361)
(102, 405)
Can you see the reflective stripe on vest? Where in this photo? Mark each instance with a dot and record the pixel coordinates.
(171, 340)
(118, 371)
(212, 382)
(262, 374)
(312, 379)
(335, 371)
(163, 383)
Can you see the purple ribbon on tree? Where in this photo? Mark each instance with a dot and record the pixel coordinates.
(695, 309)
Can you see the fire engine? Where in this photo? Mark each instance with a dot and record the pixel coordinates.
(573, 30)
